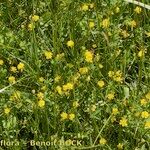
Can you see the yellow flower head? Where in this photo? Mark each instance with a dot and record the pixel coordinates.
(102, 141)
(143, 102)
(35, 18)
(120, 146)
(59, 90)
(133, 24)
(91, 5)
(115, 111)
(11, 79)
(85, 7)
(57, 78)
(148, 34)
(16, 95)
(40, 95)
(117, 10)
(1, 62)
(144, 114)
(101, 83)
(68, 86)
(91, 24)
(64, 116)
(141, 53)
(94, 45)
(124, 33)
(123, 122)
(48, 54)
(147, 124)
(41, 79)
(116, 76)
(83, 70)
(105, 23)
(20, 66)
(75, 104)
(7, 111)
(93, 108)
(71, 116)
(31, 26)
(59, 56)
(148, 95)
(88, 56)
(13, 69)
(70, 43)
(138, 10)
(41, 103)
(110, 96)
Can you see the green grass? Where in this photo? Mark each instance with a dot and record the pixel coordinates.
(59, 22)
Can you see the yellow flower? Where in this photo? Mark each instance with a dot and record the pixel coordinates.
(40, 95)
(105, 23)
(94, 45)
(91, 5)
(100, 66)
(41, 103)
(64, 116)
(101, 83)
(59, 56)
(75, 104)
(147, 124)
(138, 10)
(35, 18)
(83, 70)
(1, 62)
(118, 79)
(31, 26)
(71, 116)
(41, 79)
(144, 114)
(141, 53)
(20, 66)
(70, 43)
(137, 114)
(88, 56)
(11, 79)
(102, 141)
(7, 111)
(57, 78)
(143, 101)
(85, 7)
(59, 90)
(133, 24)
(48, 54)
(148, 34)
(16, 95)
(120, 146)
(93, 108)
(115, 111)
(13, 69)
(116, 76)
(111, 73)
(91, 24)
(110, 96)
(88, 78)
(124, 33)
(68, 86)
(148, 95)
(117, 10)
(123, 122)
(69, 65)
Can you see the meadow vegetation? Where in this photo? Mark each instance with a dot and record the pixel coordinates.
(73, 70)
